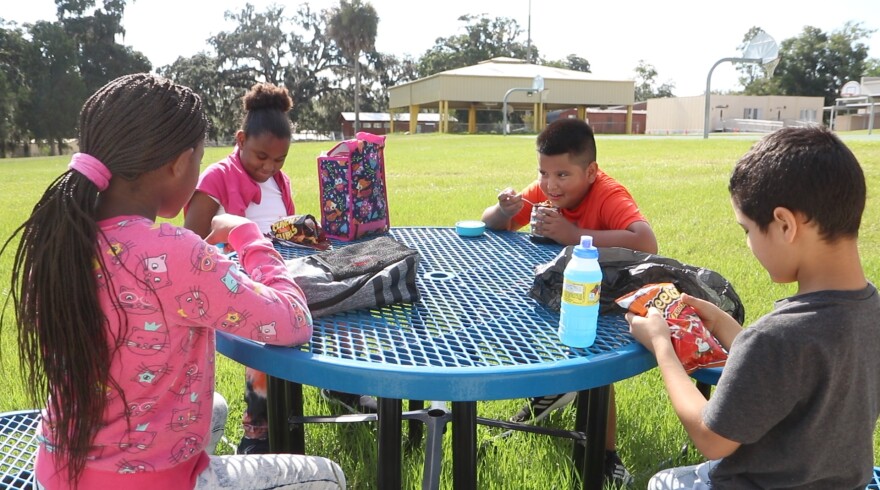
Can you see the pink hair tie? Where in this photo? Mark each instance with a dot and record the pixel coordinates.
(91, 168)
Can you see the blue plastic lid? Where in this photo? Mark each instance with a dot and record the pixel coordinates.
(586, 249)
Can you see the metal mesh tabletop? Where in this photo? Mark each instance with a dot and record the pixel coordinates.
(474, 335)
(18, 445)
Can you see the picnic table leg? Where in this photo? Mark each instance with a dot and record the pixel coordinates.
(284, 399)
(293, 401)
(276, 415)
(415, 426)
(705, 389)
(591, 418)
(464, 445)
(389, 443)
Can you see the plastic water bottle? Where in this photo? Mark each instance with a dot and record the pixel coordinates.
(582, 282)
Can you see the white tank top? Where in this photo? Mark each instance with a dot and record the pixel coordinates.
(270, 209)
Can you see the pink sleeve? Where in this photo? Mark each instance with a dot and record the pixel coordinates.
(263, 303)
(262, 263)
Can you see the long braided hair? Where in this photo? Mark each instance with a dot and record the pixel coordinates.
(134, 124)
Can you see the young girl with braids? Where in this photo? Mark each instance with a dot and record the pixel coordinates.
(117, 313)
(249, 182)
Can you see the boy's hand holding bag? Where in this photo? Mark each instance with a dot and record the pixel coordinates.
(695, 347)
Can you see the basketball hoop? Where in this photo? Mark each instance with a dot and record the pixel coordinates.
(851, 88)
(760, 50)
(770, 66)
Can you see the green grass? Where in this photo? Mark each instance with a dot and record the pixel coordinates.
(680, 185)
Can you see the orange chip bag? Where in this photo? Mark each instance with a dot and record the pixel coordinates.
(695, 346)
(300, 229)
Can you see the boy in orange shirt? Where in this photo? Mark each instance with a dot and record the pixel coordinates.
(587, 202)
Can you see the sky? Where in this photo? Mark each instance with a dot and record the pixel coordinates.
(682, 39)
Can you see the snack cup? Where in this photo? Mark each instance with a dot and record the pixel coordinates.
(538, 211)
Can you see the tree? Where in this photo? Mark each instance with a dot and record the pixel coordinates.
(353, 26)
(646, 76)
(389, 71)
(202, 73)
(14, 87)
(294, 52)
(100, 57)
(872, 67)
(314, 57)
(571, 62)
(56, 90)
(483, 39)
(258, 47)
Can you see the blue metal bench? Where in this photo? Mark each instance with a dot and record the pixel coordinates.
(18, 446)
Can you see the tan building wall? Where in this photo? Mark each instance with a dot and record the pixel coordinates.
(686, 115)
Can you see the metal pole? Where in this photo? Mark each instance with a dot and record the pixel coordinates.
(529, 42)
(709, 86)
(871, 120)
(504, 105)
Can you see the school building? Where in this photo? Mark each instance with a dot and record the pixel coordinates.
(731, 113)
(511, 85)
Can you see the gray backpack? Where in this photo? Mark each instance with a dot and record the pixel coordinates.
(368, 274)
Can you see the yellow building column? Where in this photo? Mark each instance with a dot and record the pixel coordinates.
(535, 116)
(472, 119)
(413, 118)
(582, 112)
(542, 116)
(629, 119)
(390, 121)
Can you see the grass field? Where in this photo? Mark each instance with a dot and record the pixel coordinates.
(680, 185)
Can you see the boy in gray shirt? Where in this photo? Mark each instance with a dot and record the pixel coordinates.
(798, 401)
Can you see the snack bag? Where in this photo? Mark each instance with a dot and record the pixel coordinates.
(695, 346)
(300, 229)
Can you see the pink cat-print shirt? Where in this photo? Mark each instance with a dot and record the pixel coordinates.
(164, 292)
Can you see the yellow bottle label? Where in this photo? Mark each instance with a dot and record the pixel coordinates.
(581, 293)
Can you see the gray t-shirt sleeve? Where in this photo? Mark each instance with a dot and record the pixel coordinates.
(752, 396)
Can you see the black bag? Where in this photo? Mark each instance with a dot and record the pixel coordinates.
(368, 274)
(625, 270)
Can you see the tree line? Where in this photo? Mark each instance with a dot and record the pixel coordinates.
(326, 59)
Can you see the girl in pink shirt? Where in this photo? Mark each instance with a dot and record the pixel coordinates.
(249, 182)
(117, 313)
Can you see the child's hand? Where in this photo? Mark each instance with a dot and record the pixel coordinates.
(648, 329)
(221, 225)
(711, 315)
(552, 224)
(509, 202)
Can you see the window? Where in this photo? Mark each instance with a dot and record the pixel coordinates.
(751, 113)
(807, 115)
(368, 125)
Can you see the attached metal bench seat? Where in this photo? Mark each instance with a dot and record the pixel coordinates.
(18, 446)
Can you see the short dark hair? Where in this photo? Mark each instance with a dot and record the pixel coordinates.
(568, 135)
(807, 170)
